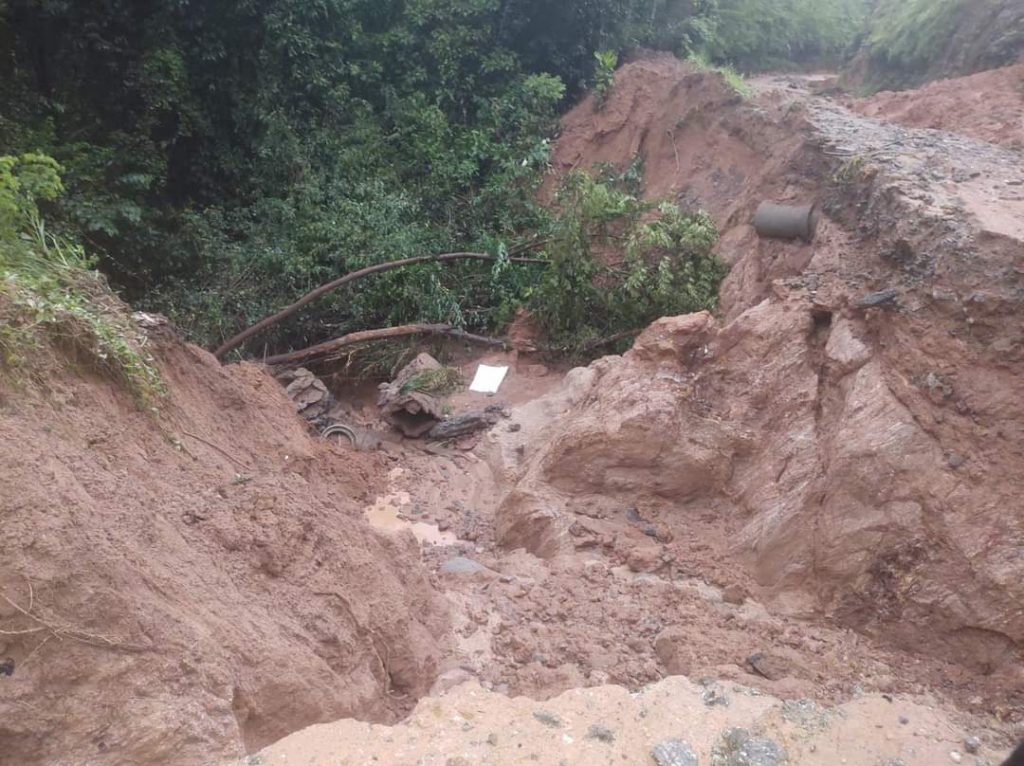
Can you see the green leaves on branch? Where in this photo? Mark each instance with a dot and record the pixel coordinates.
(604, 75)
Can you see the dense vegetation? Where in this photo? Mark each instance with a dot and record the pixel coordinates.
(909, 41)
(48, 294)
(221, 158)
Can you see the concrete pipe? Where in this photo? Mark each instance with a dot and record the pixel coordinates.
(786, 222)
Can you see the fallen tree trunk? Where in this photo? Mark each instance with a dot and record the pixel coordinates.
(366, 336)
(233, 343)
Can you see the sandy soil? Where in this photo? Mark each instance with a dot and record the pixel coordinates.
(607, 725)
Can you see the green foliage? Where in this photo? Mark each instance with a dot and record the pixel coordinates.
(604, 75)
(48, 292)
(221, 159)
(909, 41)
(732, 78)
(618, 263)
(913, 34)
(765, 34)
(442, 380)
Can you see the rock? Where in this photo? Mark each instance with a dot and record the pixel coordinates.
(671, 649)
(644, 558)
(465, 424)
(955, 460)
(673, 752)
(466, 568)
(739, 748)
(904, 720)
(770, 666)
(972, 745)
(845, 348)
(955, 756)
(601, 733)
(412, 412)
(548, 719)
(734, 594)
(674, 338)
(884, 297)
(449, 680)
(713, 697)
(311, 397)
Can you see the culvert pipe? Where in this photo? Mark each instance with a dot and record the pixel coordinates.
(786, 221)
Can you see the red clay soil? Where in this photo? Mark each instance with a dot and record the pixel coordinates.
(852, 414)
(988, 106)
(179, 587)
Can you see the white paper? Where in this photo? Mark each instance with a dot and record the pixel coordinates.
(488, 379)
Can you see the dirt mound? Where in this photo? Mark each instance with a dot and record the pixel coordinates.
(701, 144)
(988, 106)
(183, 586)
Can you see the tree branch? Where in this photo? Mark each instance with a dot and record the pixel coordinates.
(367, 336)
(287, 311)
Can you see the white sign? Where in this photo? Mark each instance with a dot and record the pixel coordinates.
(488, 379)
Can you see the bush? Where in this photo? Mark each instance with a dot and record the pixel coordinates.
(618, 263)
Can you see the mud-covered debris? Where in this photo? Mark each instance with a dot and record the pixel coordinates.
(312, 399)
(411, 411)
(734, 594)
(674, 752)
(739, 748)
(601, 733)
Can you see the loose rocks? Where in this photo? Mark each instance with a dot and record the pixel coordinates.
(739, 748)
(673, 752)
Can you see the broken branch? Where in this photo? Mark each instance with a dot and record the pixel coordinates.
(366, 336)
(287, 311)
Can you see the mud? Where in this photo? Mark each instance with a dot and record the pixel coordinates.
(200, 582)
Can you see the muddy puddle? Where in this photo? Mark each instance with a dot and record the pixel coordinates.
(388, 514)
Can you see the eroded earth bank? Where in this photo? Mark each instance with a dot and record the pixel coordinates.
(807, 504)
